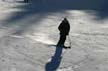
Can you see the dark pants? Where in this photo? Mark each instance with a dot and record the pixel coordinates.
(62, 39)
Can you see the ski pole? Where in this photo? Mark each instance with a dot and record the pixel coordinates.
(69, 41)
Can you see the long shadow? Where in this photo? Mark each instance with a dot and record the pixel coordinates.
(55, 61)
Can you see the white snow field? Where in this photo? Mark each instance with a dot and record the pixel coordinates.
(27, 31)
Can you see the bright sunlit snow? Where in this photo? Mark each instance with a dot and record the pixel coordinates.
(29, 33)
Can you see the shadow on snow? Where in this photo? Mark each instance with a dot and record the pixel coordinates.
(53, 65)
(39, 9)
(45, 6)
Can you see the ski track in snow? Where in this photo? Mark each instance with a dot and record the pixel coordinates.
(25, 47)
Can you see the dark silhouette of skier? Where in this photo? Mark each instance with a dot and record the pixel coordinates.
(64, 29)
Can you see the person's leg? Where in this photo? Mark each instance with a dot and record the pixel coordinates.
(62, 40)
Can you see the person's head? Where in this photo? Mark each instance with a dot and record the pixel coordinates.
(65, 20)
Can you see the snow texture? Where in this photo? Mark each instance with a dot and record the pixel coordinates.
(28, 32)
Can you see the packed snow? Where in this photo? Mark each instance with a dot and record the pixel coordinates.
(27, 37)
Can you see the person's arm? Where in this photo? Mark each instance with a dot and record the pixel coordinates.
(60, 26)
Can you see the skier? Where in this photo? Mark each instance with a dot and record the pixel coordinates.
(64, 29)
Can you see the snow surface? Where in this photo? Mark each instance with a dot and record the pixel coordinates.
(27, 33)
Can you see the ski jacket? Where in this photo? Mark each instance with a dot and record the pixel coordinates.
(64, 27)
